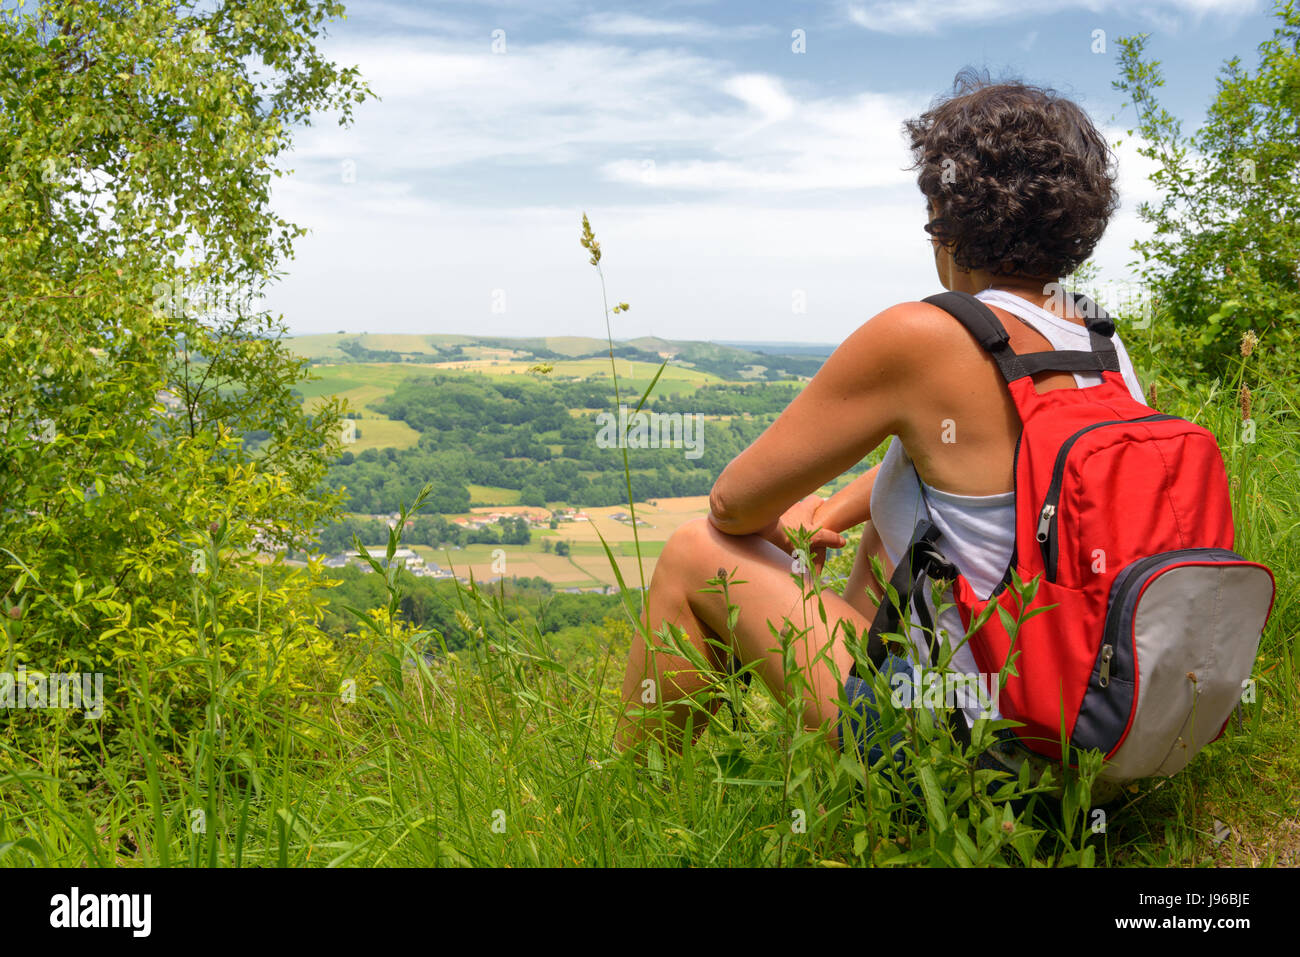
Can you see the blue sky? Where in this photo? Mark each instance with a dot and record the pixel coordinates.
(728, 177)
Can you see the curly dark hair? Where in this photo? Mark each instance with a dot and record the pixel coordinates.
(1022, 182)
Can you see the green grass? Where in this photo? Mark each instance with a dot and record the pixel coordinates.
(363, 386)
(492, 495)
(633, 376)
(325, 347)
(377, 433)
(461, 559)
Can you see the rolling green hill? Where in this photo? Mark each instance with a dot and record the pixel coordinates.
(738, 362)
(366, 369)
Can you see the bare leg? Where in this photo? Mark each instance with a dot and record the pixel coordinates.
(762, 586)
(861, 586)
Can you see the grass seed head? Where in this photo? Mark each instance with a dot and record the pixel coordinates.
(589, 241)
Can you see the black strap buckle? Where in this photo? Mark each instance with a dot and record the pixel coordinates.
(937, 567)
(921, 559)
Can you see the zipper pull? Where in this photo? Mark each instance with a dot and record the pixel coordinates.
(1107, 653)
(1044, 521)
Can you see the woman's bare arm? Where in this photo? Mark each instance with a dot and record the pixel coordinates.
(849, 408)
(851, 505)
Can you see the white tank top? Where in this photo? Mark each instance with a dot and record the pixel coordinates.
(978, 531)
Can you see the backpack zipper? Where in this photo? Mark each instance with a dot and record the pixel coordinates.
(1047, 517)
(1015, 485)
(1112, 636)
(1111, 695)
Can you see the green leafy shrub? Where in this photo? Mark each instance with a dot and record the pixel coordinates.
(139, 142)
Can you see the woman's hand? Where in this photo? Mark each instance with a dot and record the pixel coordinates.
(803, 515)
(851, 505)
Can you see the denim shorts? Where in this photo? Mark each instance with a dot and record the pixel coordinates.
(863, 716)
(1005, 754)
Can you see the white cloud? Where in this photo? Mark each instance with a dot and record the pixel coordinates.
(766, 94)
(935, 16)
(758, 188)
(383, 258)
(401, 16)
(450, 103)
(708, 270)
(839, 143)
(656, 118)
(634, 25)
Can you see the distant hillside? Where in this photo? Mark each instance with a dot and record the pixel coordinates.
(820, 349)
(732, 361)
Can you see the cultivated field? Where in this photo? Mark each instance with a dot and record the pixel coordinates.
(366, 384)
(587, 566)
(363, 385)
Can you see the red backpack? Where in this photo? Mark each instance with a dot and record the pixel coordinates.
(1124, 514)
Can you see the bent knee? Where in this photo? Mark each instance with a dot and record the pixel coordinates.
(688, 542)
(696, 532)
(699, 550)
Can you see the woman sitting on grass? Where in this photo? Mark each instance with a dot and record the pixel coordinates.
(1019, 187)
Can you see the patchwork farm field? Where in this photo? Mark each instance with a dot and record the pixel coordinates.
(587, 565)
(360, 386)
(365, 385)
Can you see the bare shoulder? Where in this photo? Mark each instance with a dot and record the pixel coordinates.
(904, 334)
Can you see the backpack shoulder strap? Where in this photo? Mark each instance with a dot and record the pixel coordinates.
(920, 561)
(984, 325)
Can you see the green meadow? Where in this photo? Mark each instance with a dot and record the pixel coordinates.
(363, 385)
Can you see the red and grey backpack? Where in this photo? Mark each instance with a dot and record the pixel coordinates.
(1124, 514)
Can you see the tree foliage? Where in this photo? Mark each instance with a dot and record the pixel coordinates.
(140, 140)
(542, 439)
(1224, 257)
